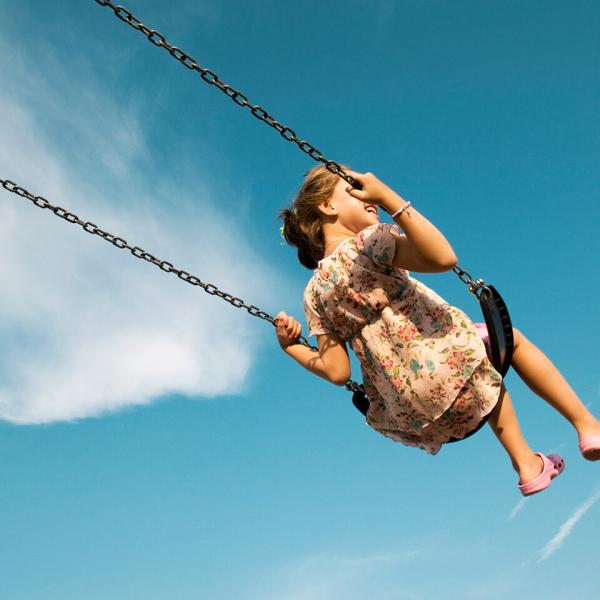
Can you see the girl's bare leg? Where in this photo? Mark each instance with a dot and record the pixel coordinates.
(504, 424)
(544, 379)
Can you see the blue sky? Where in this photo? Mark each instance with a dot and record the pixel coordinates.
(156, 442)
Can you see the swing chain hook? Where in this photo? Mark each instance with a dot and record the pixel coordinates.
(473, 286)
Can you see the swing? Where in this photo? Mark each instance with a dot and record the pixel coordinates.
(494, 309)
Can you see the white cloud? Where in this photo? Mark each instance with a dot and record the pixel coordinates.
(329, 576)
(392, 573)
(86, 328)
(567, 527)
(517, 509)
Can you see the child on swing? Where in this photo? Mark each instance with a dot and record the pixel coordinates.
(425, 365)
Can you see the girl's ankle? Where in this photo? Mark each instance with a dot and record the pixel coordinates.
(525, 461)
(530, 468)
(586, 426)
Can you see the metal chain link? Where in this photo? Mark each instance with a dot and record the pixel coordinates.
(473, 286)
(164, 265)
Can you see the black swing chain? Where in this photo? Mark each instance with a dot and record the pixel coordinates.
(164, 265)
(210, 77)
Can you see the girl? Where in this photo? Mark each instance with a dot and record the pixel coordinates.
(425, 365)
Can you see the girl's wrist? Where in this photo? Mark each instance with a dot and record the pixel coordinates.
(285, 346)
(392, 203)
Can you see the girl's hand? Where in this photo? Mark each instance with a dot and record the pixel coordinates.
(288, 330)
(373, 190)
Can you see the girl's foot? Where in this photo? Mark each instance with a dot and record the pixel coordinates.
(590, 427)
(531, 469)
(589, 439)
(553, 466)
(590, 447)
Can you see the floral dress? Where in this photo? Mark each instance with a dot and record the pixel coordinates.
(423, 361)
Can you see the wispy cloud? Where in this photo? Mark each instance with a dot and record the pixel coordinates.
(391, 574)
(557, 448)
(86, 328)
(517, 509)
(567, 527)
(329, 576)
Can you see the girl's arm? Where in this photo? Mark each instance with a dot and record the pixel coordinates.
(331, 362)
(424, 248)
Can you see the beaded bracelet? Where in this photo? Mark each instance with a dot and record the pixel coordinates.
(400, 211)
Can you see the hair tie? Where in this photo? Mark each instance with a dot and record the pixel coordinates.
(294, 212)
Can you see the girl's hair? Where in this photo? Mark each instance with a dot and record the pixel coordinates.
(302, 224)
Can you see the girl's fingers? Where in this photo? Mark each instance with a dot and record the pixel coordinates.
(360, 177)
(294, 329)
(358, 194)
(286, 324)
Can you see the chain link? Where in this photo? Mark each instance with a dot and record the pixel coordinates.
(164, 265)
(473, 286)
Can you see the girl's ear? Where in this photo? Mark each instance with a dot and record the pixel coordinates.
(326, 209)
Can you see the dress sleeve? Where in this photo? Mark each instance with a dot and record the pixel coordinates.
(315, 320)
(378, 243)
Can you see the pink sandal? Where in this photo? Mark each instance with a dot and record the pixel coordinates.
(554, 465)
(590, 447)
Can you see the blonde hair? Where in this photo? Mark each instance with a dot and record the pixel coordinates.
(302, 224)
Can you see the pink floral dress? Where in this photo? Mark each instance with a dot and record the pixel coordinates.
(423, 361)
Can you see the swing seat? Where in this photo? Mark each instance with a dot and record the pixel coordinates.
(360, 401)
(499, 328)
